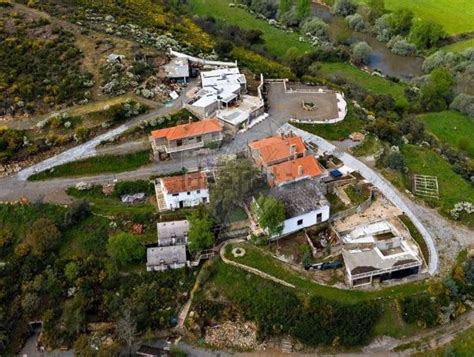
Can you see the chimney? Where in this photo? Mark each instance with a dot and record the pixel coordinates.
(292, 150)
(190, 119)
(300, 170)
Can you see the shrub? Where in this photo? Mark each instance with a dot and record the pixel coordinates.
(132, 187)
(315, 27)
(426, 34)
(395, 161)
(401, 47)
(343, 7)
(356, 22)
(361, 52)
(420, 309)
(464, 103)
(383, 29)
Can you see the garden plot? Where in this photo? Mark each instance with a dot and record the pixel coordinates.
(425, 185)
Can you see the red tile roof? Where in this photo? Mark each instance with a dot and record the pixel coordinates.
(306, 166)
(276, 148)
(184, 183)
(182, 131)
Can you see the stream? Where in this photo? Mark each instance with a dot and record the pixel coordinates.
(381, 58)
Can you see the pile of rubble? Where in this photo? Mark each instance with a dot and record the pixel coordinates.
(154, 89)
(233, 334)
(8, 169)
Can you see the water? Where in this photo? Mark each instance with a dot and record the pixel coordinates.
(381, 57)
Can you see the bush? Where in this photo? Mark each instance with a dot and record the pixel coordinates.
(464, 103)
(315, 27)
(267, 8)
(419, 309)
(395, 161)
(361, 52)
(426, 34)
(356, 22)
(43, 237)
(383, 29)
(401, 47)
(343, 7)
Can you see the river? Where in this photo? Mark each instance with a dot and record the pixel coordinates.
(381, 57)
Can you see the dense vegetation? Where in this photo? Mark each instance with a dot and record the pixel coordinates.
(278, 310)
(39, 65)
(41, 280)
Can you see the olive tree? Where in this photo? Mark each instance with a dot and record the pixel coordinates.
(343, 7)
(270, 214)
(361, 52)
(315, 27)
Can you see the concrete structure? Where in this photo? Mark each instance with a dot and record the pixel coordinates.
(175, 192)
(305, 205)
(186, 136)
(170, 251)
(223, 94)
(378, 250)
(177, 69)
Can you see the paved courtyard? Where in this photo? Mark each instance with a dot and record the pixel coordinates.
(289, 104)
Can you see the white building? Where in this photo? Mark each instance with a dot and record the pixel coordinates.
(378, 250)
(305, 205)
(175, 192)
(170, 252)
(223, 94)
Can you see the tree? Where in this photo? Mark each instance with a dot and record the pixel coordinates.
(43, 236)
(376, 9)
(436, 91)
(401, 47)
(343, 7)
(426, 34)
(303, 9)
(401, 21)
(395, 161)
(77, 212)
(200, 234)
(285, 6)
(267, 8)
(270, 214)
(361, 52)
(383, 29)
(233, 185)
(315, 27)
(126, 328)
(125, 248)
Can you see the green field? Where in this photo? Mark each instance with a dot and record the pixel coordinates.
(456, 16)
(374, 84)
(369, 146)
(452, 128)
(452, 187)
(277, 41)
(459, 46)
(96, 165)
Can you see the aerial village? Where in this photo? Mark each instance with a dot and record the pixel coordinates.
(361, 241)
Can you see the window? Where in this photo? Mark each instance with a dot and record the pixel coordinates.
(300, 222)
(319, 218)
(189, 193)
(179, 142)
(175, 194)
(198, 138)
(198, 191)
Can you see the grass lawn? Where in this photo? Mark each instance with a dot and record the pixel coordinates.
(454, 15)
(257, 258)
(96, 165)
(452, 187)
(452, 128)
(373, 84)
(277, 41)
(338, 131)
(392, 324)
(356, 196)
(369, 146)
(459, 46)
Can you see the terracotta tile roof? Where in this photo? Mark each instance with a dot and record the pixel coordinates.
(184, 183)
(276, 148)
(182, 131)
(306, 166)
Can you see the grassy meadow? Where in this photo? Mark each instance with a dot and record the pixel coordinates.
(459, 46)
(452, 128)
